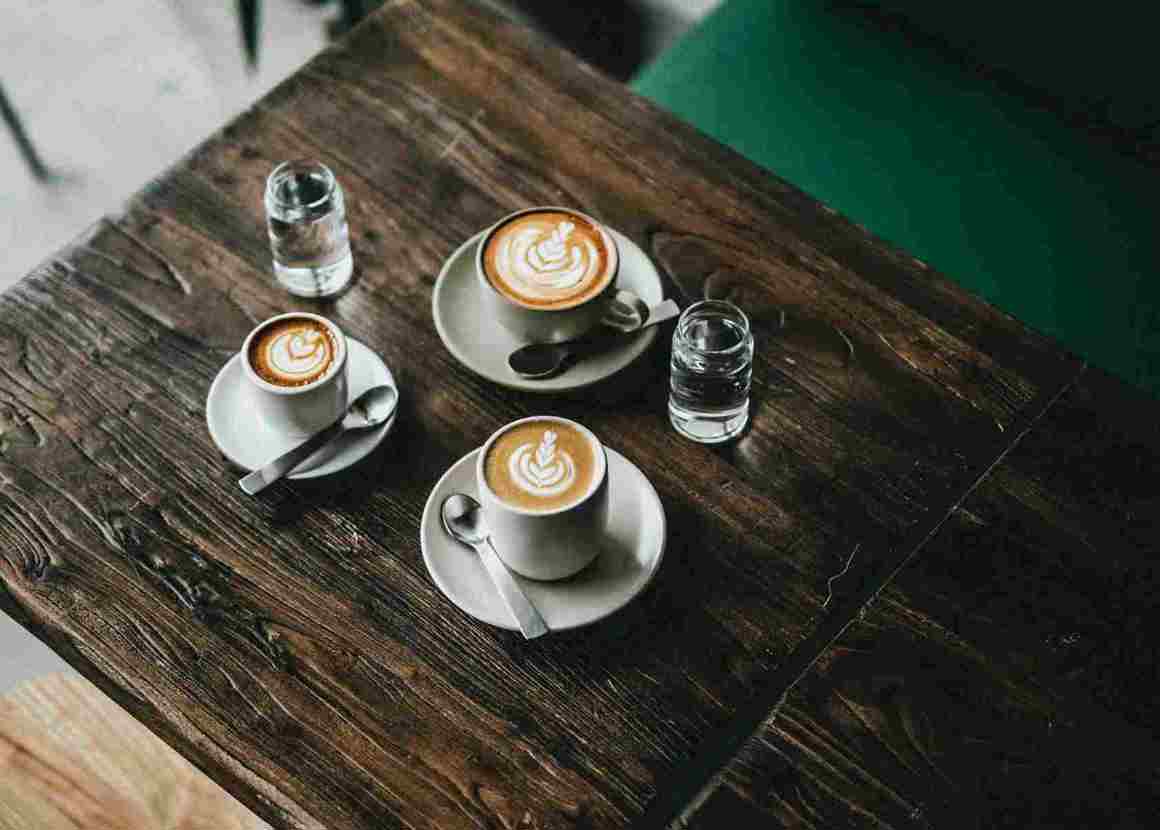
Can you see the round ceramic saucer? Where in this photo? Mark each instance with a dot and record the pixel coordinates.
(483, 345)
(628, 562)
(248, 443)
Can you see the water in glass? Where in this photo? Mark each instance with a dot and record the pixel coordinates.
(712, 364)
(309, 238)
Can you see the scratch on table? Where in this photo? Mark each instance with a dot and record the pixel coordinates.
(183, 284)
(845, 339)
(245, 698)
(460, 133)
(904, 357)
(839, 575)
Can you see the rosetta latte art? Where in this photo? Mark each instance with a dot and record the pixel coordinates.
(541, 465)
(298, 353)
(542, 470)
(543, 260)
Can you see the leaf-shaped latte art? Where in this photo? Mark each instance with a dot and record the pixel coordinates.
(546, 452)
(542, 470)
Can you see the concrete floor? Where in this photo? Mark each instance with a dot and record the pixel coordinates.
(114, 91)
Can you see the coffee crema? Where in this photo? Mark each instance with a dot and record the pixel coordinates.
(549, 259)
(541, 465)
(293, 351)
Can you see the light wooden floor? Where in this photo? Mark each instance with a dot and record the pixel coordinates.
(71, 758)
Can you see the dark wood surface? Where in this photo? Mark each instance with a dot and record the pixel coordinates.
(1008, 675)
(905, 725)
(294, 647)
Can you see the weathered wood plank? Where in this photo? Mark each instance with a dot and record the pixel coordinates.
(1008, 675)
(905, 725)
(896, 400)
(294, 647)
(1051, 564)
(264, 637)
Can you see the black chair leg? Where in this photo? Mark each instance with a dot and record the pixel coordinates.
(249, 12)
(353, 12)
(22, 141)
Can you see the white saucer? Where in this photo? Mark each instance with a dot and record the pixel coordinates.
(628, 563)
(483, 346)
(248, 443)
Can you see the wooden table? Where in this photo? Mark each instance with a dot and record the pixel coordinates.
(985, 659)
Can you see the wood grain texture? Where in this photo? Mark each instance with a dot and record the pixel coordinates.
(294, 647)
(70, 757)
(1051, 563)
(1009, 675)
(906, 725)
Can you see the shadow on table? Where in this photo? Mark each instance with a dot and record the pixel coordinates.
(285, 501)
(606, 33)
(609, 34)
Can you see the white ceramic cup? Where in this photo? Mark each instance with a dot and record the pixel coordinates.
(535, 324)
(300, 411)
(551, 544)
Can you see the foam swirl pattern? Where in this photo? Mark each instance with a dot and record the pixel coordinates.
(544, 470)
(540, 465)
(293, 353)
(548, 259)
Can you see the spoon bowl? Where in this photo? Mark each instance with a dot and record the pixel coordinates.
(462, 518)
(372, 408)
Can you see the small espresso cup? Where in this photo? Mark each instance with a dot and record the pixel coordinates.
(543, 486)
(547, 254)
(298, 406)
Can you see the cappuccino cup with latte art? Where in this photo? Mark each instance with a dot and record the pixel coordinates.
(543, 485)
(296, 366)
(547, 274)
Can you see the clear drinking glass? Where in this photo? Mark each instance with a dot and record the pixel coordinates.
(309, 238)
(711, 368)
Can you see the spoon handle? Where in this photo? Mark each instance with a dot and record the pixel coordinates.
(263, 477)
(531, 624)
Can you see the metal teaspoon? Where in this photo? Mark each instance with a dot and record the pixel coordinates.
(370, 409)
(463, 521)
(542, 360)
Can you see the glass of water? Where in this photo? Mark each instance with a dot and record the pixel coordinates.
(309, 238)
(712, 365)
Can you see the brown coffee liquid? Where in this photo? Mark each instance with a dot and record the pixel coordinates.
(541, 465)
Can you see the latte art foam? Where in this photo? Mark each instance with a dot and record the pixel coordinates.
(297, 354)
(549, 259)
(293, 352)
(542, 470)
(546, 264)
(541, 465)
